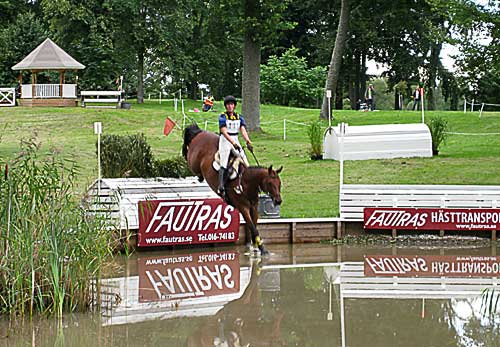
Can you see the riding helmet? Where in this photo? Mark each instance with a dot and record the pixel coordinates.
(229, 99)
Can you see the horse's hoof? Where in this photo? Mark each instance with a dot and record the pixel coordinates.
(263, 251)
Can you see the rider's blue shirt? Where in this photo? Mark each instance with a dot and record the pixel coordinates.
(231, 122)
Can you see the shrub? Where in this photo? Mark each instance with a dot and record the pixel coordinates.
(315, 136)
(126, 156)
(438, 127)
(172, 167)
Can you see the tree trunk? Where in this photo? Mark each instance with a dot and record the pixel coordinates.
(251, 72)
(140, 76)
(336, 60)
(433, 68)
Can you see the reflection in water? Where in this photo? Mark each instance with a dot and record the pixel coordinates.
(304, 295)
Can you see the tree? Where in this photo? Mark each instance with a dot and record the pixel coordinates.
(336, 61)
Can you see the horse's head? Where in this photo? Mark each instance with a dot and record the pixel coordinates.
(271, 184)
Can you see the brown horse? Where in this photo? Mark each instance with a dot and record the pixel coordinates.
(199, 149)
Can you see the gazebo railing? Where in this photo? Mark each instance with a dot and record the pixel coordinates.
(41, 91)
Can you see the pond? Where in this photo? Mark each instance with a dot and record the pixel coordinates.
(297, 297)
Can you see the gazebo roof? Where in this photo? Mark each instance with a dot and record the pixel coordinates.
(48, 56)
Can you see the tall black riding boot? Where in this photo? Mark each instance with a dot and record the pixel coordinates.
(222, 171)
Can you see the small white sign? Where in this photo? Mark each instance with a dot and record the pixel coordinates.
(97, 128)
(328, 93)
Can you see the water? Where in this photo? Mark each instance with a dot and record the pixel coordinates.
(222, 297)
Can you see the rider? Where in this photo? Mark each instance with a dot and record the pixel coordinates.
(230, 124)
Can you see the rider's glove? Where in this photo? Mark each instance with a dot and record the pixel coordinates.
(250, 147)
(237, 146)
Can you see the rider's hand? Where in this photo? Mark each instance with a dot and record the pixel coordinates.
(250, 147)
(237, 146)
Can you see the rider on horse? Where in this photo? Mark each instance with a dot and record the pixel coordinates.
(230, 124)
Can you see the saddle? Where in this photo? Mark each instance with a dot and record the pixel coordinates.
(233, 166)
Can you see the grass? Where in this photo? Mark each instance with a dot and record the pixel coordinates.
(310, 188)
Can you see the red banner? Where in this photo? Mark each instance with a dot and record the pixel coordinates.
(188, 276)
(431, 218)
(176, 222)
(431, 266)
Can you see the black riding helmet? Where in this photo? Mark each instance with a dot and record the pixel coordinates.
(229, 99)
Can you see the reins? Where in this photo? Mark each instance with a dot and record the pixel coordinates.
(251, 151)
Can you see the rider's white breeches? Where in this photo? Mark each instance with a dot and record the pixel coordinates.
(225, 148)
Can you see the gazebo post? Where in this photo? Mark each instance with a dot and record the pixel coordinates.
(33, 82)
(61, 82)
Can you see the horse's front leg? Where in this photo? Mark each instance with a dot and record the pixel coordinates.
(256, 240)
(254, 214)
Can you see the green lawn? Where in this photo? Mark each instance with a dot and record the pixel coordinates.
(310, 188)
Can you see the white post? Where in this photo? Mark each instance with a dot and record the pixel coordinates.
(182, 103)
(342, 317)
(481, 111)
(284, 129)
(206, 124)
(98, 131)
(175, 103)
(328, 96)
(472, 106)
(465, 105)
(342, 131)
(160, 97)
(422, 103)
(149, 96)
(201, 94)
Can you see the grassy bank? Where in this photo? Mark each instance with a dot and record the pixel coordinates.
(310, 188)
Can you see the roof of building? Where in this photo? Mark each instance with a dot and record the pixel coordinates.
(48, 56)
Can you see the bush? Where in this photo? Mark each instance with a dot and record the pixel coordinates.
(315, 136)
(438, 127)
(172, 167)
(126, 156)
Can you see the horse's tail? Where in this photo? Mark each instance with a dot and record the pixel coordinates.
(189, 133)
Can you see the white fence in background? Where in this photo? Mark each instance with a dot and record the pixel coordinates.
(7, 97)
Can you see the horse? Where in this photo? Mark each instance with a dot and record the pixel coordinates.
(199, 149)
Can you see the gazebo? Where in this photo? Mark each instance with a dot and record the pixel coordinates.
(48, 57)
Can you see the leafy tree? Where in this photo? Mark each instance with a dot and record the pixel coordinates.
(288, 81)
(17, 40)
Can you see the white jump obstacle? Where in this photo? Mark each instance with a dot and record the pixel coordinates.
(118, 197)
(93, 98)
(7, 97)
(378, 142)
(355, 197)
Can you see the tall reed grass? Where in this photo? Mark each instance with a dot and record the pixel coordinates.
(51, 251)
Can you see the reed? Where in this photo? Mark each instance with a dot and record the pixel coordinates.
(51, 251)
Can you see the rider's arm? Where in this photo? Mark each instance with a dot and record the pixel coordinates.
(243, 130)
(244, 133)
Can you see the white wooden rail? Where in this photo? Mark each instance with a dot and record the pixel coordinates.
(101, 97)
(7, 97)
(355, 197)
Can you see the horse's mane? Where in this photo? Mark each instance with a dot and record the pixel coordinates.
(189, 133)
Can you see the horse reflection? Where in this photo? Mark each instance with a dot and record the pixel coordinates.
(199, 149)
(242, 322)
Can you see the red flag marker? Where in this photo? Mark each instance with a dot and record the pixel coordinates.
(169, 125)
